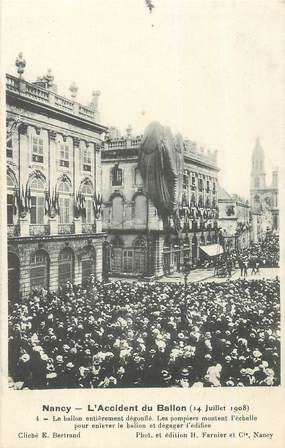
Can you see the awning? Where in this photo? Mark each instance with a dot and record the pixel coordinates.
(212, 250)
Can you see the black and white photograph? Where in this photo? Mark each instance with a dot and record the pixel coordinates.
(144, 142)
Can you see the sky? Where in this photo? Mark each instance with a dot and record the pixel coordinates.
(212, 70)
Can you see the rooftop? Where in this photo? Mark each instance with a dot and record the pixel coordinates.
(223, 194)
(44, 91)
(116, 142)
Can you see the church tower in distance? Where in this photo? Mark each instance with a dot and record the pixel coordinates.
(263, 197)
(258, 180)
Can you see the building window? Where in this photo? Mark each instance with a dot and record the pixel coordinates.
(117, 176)
(185, 181)
(200, 202)
(39, 270)
(88, 264)
(200, 184)
(116, 261)
(193, 182)
(208, 187)
(65, 215)
(9, 149)
(86, 159)
(65, 266)
(117, 211)
(10, 200)
(140, 209)
(214, 187)
(230, 210)
(89, 216)
(37, 210)
(38, 150)
(37, 202)
(128, 260)
(138, 178)
(64, 155)
(10, 208)
(140, 256)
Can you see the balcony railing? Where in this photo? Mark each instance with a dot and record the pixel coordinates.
(42, 95)
(39, 229)
(66, 229)
(37, 93)
(122, 142)
(86, 112)
(13, 230)
(88, 228)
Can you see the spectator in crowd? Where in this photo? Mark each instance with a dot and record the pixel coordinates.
(147, 335)
(262, 254)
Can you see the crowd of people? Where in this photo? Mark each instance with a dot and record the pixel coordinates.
(147, 335)
(249, 260)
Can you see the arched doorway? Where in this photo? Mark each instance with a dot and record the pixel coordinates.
(39, 270)
(13, 277)
(65, 266)
(88, 263)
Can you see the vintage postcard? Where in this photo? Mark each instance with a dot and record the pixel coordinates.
(142, 177)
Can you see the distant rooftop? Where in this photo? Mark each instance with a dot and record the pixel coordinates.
(223, 194)
(115, 141)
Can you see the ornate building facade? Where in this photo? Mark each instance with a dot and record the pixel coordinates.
(234, 220)
(263, 197)
(139, 243)
(53, 185)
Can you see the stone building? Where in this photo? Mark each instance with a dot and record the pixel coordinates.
(139, 244)
(234, 220)
(53, 185)
(263, 196)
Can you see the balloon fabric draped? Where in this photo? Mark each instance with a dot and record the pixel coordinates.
(161, 163)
